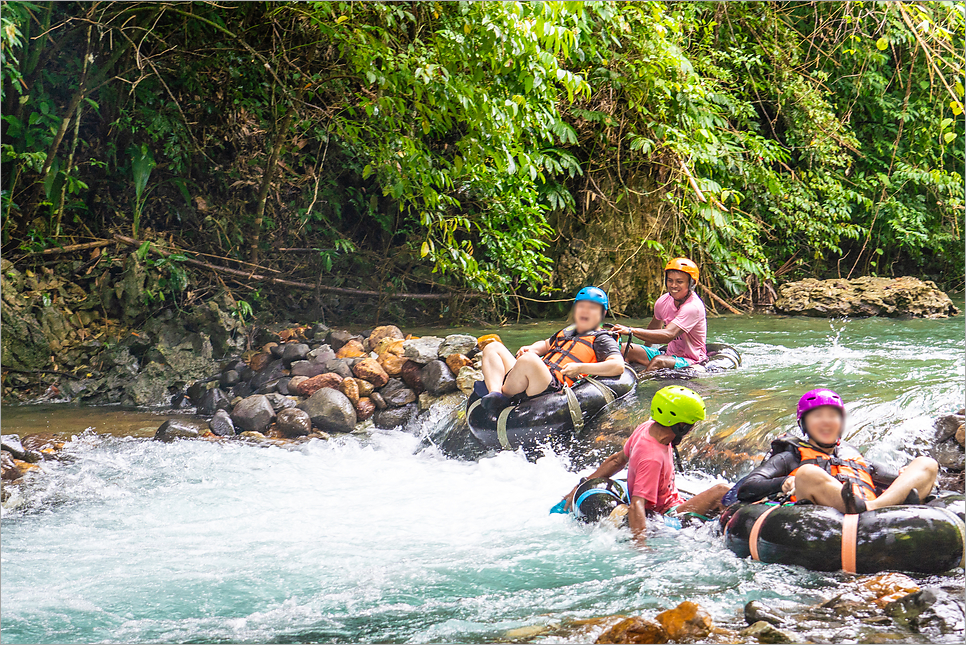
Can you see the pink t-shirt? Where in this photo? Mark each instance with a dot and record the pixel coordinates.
(692, 318)
(650, 470)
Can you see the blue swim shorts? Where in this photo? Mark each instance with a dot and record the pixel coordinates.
(678, 361)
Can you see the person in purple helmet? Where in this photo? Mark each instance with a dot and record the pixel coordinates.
(822, 469)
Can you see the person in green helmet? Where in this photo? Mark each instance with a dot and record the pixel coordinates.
(649, 458)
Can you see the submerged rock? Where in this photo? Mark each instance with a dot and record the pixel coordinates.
(178, 429)
(687, 622)
(253, 414)
(929, 610)
(635, 630)
(865, 296)
(756, 611)
(765, 632)
(394, 417)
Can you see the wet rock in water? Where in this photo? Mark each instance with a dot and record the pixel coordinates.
(950, 455)
(456, 362)
(229, 378)
(765, 632)
(10, 443)
(330, 411)
(307, 368)
(885, 587)
(195, 390)
(259, 361)
(370, 370)
(929, 610)
(393, 364)
(456, 344)
(178, 429)
(365, 408)
(394, 417)
(948, 426)
(365, 387)
(385, 331)
(338, 366)
(422, 350)
(756, 611)
(865, 296)
(253, 414)
(486, 339)
(687, 622)
(350, 388)
(8, 467)
(310, 386)
(412, 375)
(293, 422)
(280, 401)
(336, 339)
(271, 372)
(47, 443)
(396, 394)
(251, 435)
(437, 379)
(427, 400)
(212, 401)
(635, 630)
(221, 424)
(292, 352)
(352, 349)
(467, 378)
(378, 401)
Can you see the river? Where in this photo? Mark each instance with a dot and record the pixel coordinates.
(375, 539)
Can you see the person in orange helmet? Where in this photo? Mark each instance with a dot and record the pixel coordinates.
(680, 321)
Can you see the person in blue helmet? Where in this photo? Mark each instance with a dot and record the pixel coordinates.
(582, 348)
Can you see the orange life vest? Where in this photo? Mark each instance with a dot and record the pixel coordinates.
(845, 463)
(578, 348)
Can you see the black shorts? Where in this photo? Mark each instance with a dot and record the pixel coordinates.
(556, 385)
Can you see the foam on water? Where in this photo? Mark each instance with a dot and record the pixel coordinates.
(378, 540)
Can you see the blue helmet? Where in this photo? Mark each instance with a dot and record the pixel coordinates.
(593, 294)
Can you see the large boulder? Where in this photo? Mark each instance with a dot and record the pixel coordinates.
(457, 344)
(253, 414)
(385, 331)
(422, 350)
(212, 401)
(293, 422)
(221, 424)
(865, 296)
(330, 411)
(437, 379)
(390, 418)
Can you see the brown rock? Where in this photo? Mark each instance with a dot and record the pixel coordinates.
(864, 296)
(365, 387)
(352, 349)
(370, 370)
(267, 347)
(365, 408)
(635, 630)
(412, 375)
(961, 434)
(377, 399)
(8, 467)
(385, 331)
(389, 346)
(350, 388)
(292, 422)
(46, 443)
(884, 588)
(310, 386)
(457, 361)
(260, 360)
(687, 622)
(483, 341)
(393, 364)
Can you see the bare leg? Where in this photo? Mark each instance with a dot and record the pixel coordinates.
(661, 361)
(817, 486)
(530, 375)
(706, 501)
(636, 354)
(919, 474)
(496, 362)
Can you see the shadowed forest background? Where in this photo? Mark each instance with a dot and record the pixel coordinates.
(466, 153)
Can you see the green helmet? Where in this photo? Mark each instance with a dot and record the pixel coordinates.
(676, 404)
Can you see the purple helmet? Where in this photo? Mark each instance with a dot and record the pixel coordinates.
(818, 398)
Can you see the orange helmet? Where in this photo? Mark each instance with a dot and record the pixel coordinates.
(685, 265)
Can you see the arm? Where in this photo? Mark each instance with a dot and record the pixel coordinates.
(767, 479)
(637, 519)
(608, 468)
(654, 334)
(539, 348)
(611, 366)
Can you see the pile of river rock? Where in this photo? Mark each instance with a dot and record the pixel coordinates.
(317, 380)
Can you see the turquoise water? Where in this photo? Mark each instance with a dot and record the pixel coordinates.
(374, 539)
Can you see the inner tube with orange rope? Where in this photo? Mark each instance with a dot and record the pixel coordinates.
(915, 539)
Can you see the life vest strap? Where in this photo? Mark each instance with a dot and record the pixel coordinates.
(573, 406)
(755, 531)
(850, 531)
(501, 426)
